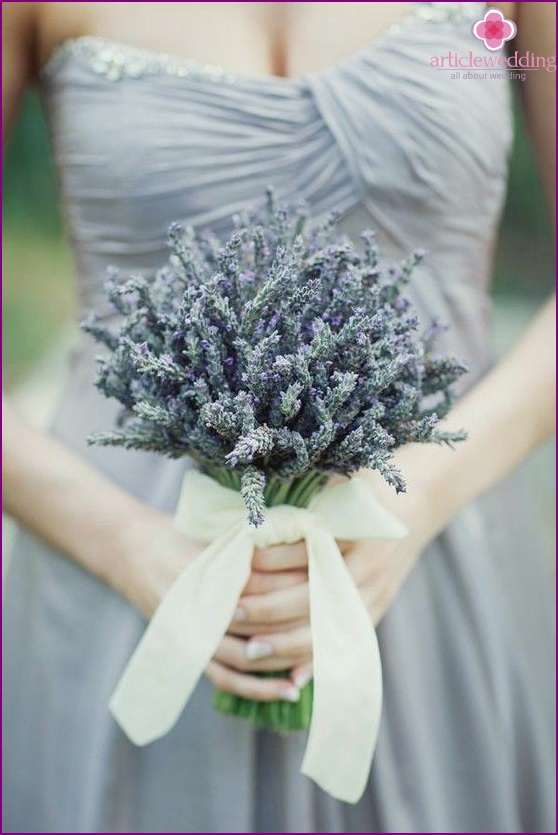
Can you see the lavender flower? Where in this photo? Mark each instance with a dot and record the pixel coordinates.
(278, 352)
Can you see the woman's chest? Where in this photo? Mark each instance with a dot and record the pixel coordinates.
(134, 129)
(282, 39)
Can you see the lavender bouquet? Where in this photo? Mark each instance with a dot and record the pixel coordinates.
(274, 359)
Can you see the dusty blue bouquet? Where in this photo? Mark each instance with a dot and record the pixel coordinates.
(274, 359)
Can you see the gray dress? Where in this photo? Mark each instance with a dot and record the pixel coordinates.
(466, 737)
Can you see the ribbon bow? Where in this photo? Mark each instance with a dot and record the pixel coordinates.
(192, 618)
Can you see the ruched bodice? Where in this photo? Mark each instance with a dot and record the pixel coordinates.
(142, 139)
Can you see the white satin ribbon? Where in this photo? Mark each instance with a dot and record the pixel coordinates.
(191, 620)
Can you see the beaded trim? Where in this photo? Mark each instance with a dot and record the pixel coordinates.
(116, 60)
(454, 13)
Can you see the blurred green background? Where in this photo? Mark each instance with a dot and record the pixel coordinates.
(38, 295)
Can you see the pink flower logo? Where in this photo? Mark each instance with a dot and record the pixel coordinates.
(494, 29)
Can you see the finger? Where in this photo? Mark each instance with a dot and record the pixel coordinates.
(291, 646)
(263, 582)
(284, 605)
(242, 629)
(301, 675)
(280, 557)
(251, 687)
(259, 656)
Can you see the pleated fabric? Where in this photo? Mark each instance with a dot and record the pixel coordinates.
(466, 736)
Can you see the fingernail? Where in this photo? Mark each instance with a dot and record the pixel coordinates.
(257, 649)
(302, 679)
(289, 694)
(239, 613)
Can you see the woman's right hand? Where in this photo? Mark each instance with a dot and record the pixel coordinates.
(278, 586)
(154, 554)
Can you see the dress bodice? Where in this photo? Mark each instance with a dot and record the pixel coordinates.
(142, 139)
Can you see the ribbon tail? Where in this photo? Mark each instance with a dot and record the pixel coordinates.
(347, 676)
(181, 638)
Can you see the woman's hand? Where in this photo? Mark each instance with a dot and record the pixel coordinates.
(379, 568)
(271, 630)
(154, 553)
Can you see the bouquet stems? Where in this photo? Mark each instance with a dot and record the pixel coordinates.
(278, 715)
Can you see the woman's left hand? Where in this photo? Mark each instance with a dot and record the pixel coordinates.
(274, 623)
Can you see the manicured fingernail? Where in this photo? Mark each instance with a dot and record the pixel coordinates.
(302, 679)
(239, 613)
(257, 649)
(289, 694)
